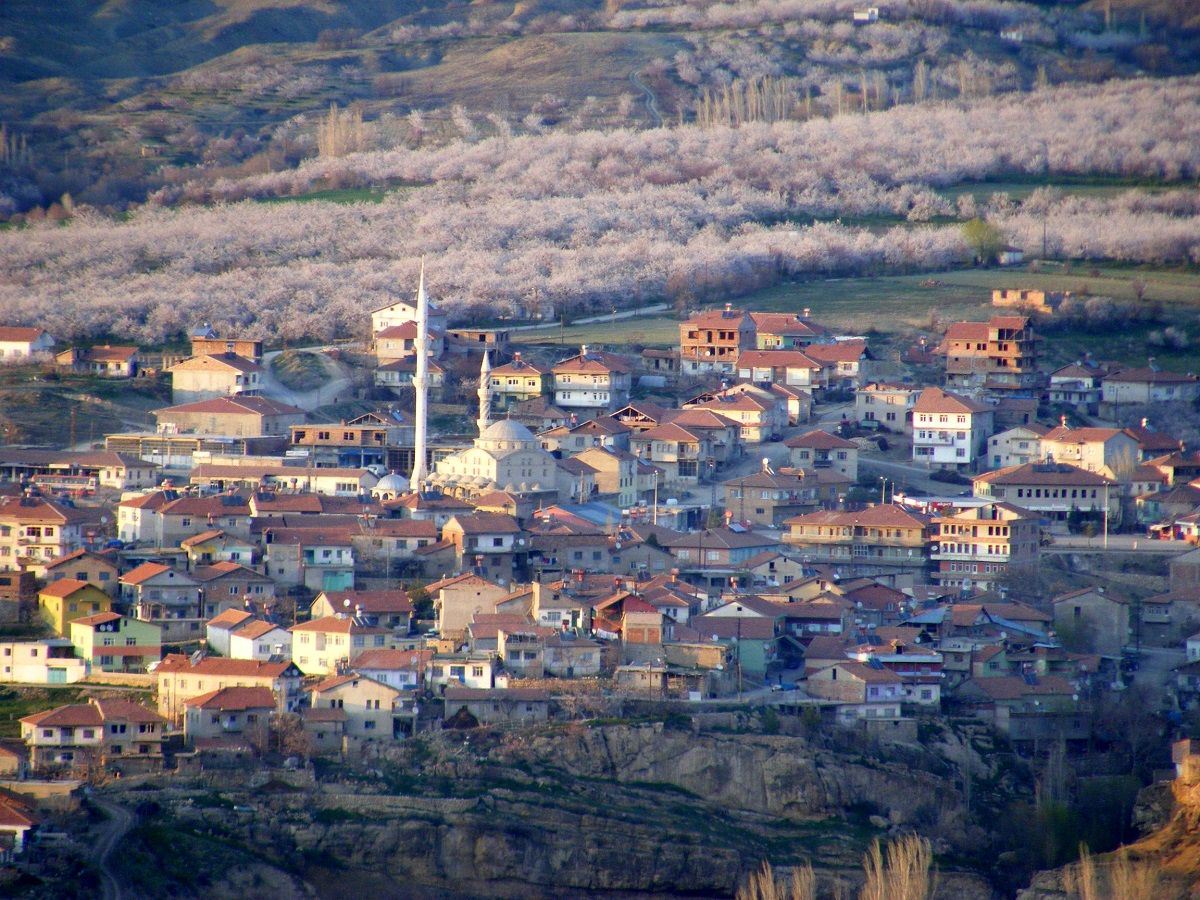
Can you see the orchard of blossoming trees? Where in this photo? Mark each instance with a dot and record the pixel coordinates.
(591, 220)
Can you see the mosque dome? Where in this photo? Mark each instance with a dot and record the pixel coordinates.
(390, 486)
(506, 434)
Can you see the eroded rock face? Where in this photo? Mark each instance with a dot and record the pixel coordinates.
(622, 811)
(781, 776)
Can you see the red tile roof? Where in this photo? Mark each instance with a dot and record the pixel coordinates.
(16, 334)
(65, 587)
(98, 619)
(338, 624)
(820, 440)
(240, 406)
(234, 699)
(216, 665)
(375, 602)
(1044, 474)
(229, 619)
(935, 400)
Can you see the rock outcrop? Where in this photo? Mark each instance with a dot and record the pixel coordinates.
(621, 811)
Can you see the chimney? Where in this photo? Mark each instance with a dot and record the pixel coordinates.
(1062, 420)
(583, 351)
(1153, 364)
(728, 307)
(1145, 422)
(807, 313)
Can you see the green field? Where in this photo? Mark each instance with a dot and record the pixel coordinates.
(894, 305)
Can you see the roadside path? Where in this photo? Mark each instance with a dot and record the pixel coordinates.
(651, 100)
(111, 834)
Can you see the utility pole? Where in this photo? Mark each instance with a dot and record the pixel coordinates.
(1106, 517)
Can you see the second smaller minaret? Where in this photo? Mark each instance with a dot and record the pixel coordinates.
(485, 394)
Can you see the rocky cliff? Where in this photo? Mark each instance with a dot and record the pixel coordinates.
(620, 811)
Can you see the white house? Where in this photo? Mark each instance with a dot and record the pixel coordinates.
(949, 430)
(401, 669)
(890, 405)
(260, 640)
(592, 382)
(18, 344)
(1149, 385)
(1017, 446)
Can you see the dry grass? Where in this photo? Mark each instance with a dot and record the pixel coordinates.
(1121, 878)
(763, 885)
(903, 872)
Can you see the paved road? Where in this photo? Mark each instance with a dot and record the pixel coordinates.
(111, 833)
(651, 100)
(914, 476)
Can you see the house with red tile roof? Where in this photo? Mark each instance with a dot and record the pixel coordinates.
(218, 629)
(104, 361)
(24, 344)
(790, 367)
(1147, 384)
(517, 381)
(239, 416)
(400, 669)
(229, 713)
(325, 646)
(115, 643)
(711, 341)
(760, 414)
(592, 383)
(389, 608)
(866, 690)
(99, 569)
(1002, 350)
(118, 735)
(787, 331)
(208, 377)
(1051, 490)
(882, 535)
(819, 449)
(180, 677)
(399, 341)
(37, 528)
(845, 364)
(1111, 451)
(950, 431)
(259, 639)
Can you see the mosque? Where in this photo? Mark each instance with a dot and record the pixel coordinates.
(506, 456)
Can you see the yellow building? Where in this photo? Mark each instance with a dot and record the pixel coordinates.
(325, 646)
(68, 599)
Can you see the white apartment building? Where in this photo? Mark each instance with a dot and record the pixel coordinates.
(949, 431)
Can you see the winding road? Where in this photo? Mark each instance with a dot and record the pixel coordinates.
(120, 820)
(651, 100)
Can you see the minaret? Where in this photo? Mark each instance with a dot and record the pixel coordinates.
(485, 394)
(421, 387)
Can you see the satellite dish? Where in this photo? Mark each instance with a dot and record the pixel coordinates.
(346, 603)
